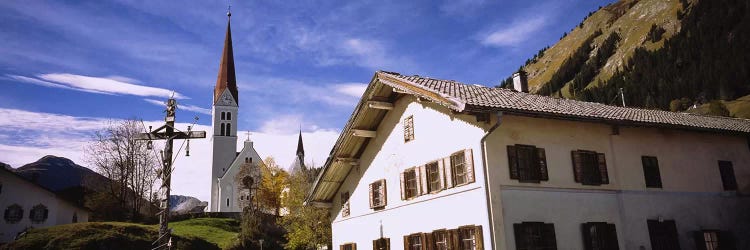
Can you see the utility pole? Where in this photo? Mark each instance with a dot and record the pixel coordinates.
(167, 132)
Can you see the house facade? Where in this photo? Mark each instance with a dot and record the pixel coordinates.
(29, 205)
(433, 164)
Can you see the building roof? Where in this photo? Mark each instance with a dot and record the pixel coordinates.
(226, 78)
(477, 99)
(300, 147)
(13, 173)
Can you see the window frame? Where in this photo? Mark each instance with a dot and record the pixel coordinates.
(592, 170)
(445, 242)
(381, 244)
(437, 181)
(651, 171)
(460, 155)
(411, 183)
(408, 128)
(664, 230)
(728, 177)
(348, 246)
(375, 194)
(413, 245)
(543, 236)
(532, 170)
(467, 233)
(345, 204)
(600, 236)
(13, 214)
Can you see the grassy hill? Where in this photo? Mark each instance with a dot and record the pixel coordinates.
(200, 233)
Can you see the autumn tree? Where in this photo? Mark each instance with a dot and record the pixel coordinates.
(272, 185)
(307, 227)
(129, 165)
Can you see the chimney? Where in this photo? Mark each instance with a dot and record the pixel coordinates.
(520, 83)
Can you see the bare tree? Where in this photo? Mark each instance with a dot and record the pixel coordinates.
(127, 162)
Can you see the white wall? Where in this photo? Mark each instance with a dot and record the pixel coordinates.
(437, 134)
(689, 174)
(26, 194)
(229, 188)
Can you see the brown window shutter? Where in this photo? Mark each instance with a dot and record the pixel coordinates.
(542, 157)
(448, 172)
(726, 240)
(520, 236)
(469, 163)
(341, 247)
(441, 173)
(700, 241)
(383, 193)
(424, 180)
(453, 239)
(375, 244)
(512, 162)
(603, 168)
(588, 237)
(427, 243)
(388, 243)
(726, 171)
(372, 202)
(354, 246)
(418, 178)
(548, 236)
(478, 237)
(406, 242)
(403, 186)
(577, 165)
(611, 237)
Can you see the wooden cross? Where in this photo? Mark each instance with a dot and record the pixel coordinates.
(167, 132)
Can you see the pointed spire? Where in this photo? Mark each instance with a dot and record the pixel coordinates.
(226, 78)
(300, 148)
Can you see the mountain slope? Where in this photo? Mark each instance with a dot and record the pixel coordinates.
(59, 173)
(664, 54)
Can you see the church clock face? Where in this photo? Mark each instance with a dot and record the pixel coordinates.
(226, 100)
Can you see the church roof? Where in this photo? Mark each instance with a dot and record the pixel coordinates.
(226, 78)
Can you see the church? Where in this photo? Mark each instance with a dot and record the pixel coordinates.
(230, 185)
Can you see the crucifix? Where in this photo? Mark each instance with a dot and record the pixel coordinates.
(167, 132)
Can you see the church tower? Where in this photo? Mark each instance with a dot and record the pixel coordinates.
(299, 162)
(225, 107)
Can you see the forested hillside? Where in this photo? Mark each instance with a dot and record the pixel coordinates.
(663, 54)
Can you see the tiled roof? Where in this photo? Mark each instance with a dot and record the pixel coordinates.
(481, 98)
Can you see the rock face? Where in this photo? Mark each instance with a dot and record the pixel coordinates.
(180, 204)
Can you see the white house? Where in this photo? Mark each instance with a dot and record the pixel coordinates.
(424, 163)
(29, 205)
(227, 192)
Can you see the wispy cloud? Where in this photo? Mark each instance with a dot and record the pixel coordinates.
(461, 7)
(514, 34)
(351, 89)
(99, 85)
(183, 106)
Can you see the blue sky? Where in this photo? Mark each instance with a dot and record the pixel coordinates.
(66, 66)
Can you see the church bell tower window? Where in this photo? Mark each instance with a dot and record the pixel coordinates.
(229, 129)
(222, 128)
(222, 116)
(229, 116)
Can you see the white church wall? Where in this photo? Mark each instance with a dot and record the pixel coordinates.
(438, 134)
(230, 189)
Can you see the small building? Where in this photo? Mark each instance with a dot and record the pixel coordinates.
(29, 205)
(425, 163)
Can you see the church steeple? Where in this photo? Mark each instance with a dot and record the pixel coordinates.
(300, 148)
(226, 78)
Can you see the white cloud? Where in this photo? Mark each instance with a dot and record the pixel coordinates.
(515, 33)
(99, 85)
(351, 89)
(461, 7)
(67, 136)
(182, 106)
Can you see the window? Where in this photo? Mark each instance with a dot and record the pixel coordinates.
(13, 214)
(377, 194)
(409, 129)
(223, 117)
(663, 235)
(222, 130)
(651, 171)
(599, 236)
(381, 244)
(345, 204)
(38, 214)
(727, 175)
(434, 177)
(229, 116)
(440, 240)
(535, 236)
(227, 202)
(348, 246)
(414, 242)
(410, 183)
(462, 167)
(714, 240)
(470, 238)
(589, 167)
(75, 217)
(229, 129)
(527, 163)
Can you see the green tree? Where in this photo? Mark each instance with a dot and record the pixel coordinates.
(307, 227)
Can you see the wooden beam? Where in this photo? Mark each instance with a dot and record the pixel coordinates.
(363, 133)
(399, 91)
(380, 105)
(351, 161)
(319, 204)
